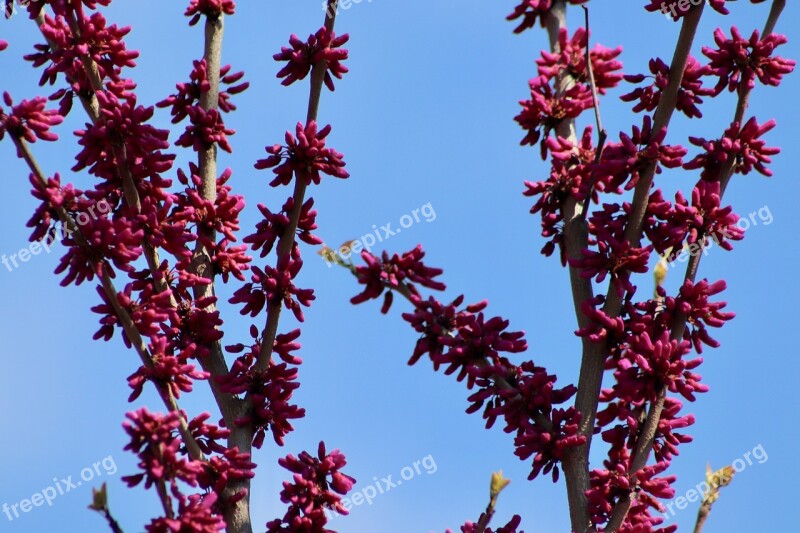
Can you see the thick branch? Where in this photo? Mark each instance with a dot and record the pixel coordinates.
(576, 460)
(214, 363)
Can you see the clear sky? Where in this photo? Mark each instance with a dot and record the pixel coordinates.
(424, 117)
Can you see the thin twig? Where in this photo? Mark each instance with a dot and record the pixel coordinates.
(602, 135)
(702, 516)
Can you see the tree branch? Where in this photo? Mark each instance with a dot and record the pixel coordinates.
(646, 439)
(110, 291)
(576, 459)
(286, 241)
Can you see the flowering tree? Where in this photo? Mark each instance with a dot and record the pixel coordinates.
(155, 250)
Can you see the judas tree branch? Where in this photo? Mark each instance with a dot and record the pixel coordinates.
(576, 459)
(128, 326)
(287, 239)
(646, 439)
(92, 107)
(663, 115)
(214, 363)
(237, 517)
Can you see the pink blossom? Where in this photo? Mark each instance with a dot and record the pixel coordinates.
(750, 152)
(189, 94)
(274, 285)
(167, 370)
(547, 108)
(623, 162)
(28, 120)
(302, 56)
(672, 224)
(206, 129)
(739, 61)
(510, 527)
(305, 156)
(122, 123)
(571, 59)
(62, 7)
(210, 8)
(153, 440)
(196, 514)
(102, 43)
(395, 272)
(269, 391)
(531, 10)
(316, 487)
(273, 226)
(689, 93)
(679, 9)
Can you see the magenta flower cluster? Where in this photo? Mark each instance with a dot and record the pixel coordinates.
(154, 439)
(323, 45)
(316, 488)
(550, 105)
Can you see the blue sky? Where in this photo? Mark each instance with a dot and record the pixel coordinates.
(424, 117)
